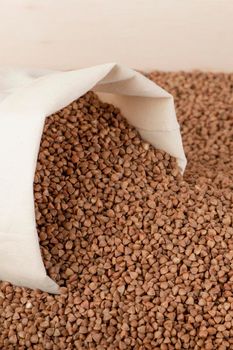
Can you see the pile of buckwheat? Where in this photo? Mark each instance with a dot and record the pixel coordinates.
(143, 256)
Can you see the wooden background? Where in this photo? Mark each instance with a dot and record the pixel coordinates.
(143, 34)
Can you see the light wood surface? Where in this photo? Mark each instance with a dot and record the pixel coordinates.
(143, 34)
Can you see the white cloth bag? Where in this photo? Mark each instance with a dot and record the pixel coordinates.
(26, 98)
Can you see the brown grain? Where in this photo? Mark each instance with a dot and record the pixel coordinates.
(143, 256)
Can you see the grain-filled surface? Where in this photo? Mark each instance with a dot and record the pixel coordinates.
(144, 258)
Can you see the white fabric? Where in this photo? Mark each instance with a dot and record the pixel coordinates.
(26, 98)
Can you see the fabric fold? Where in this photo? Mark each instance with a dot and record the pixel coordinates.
(27, 98)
